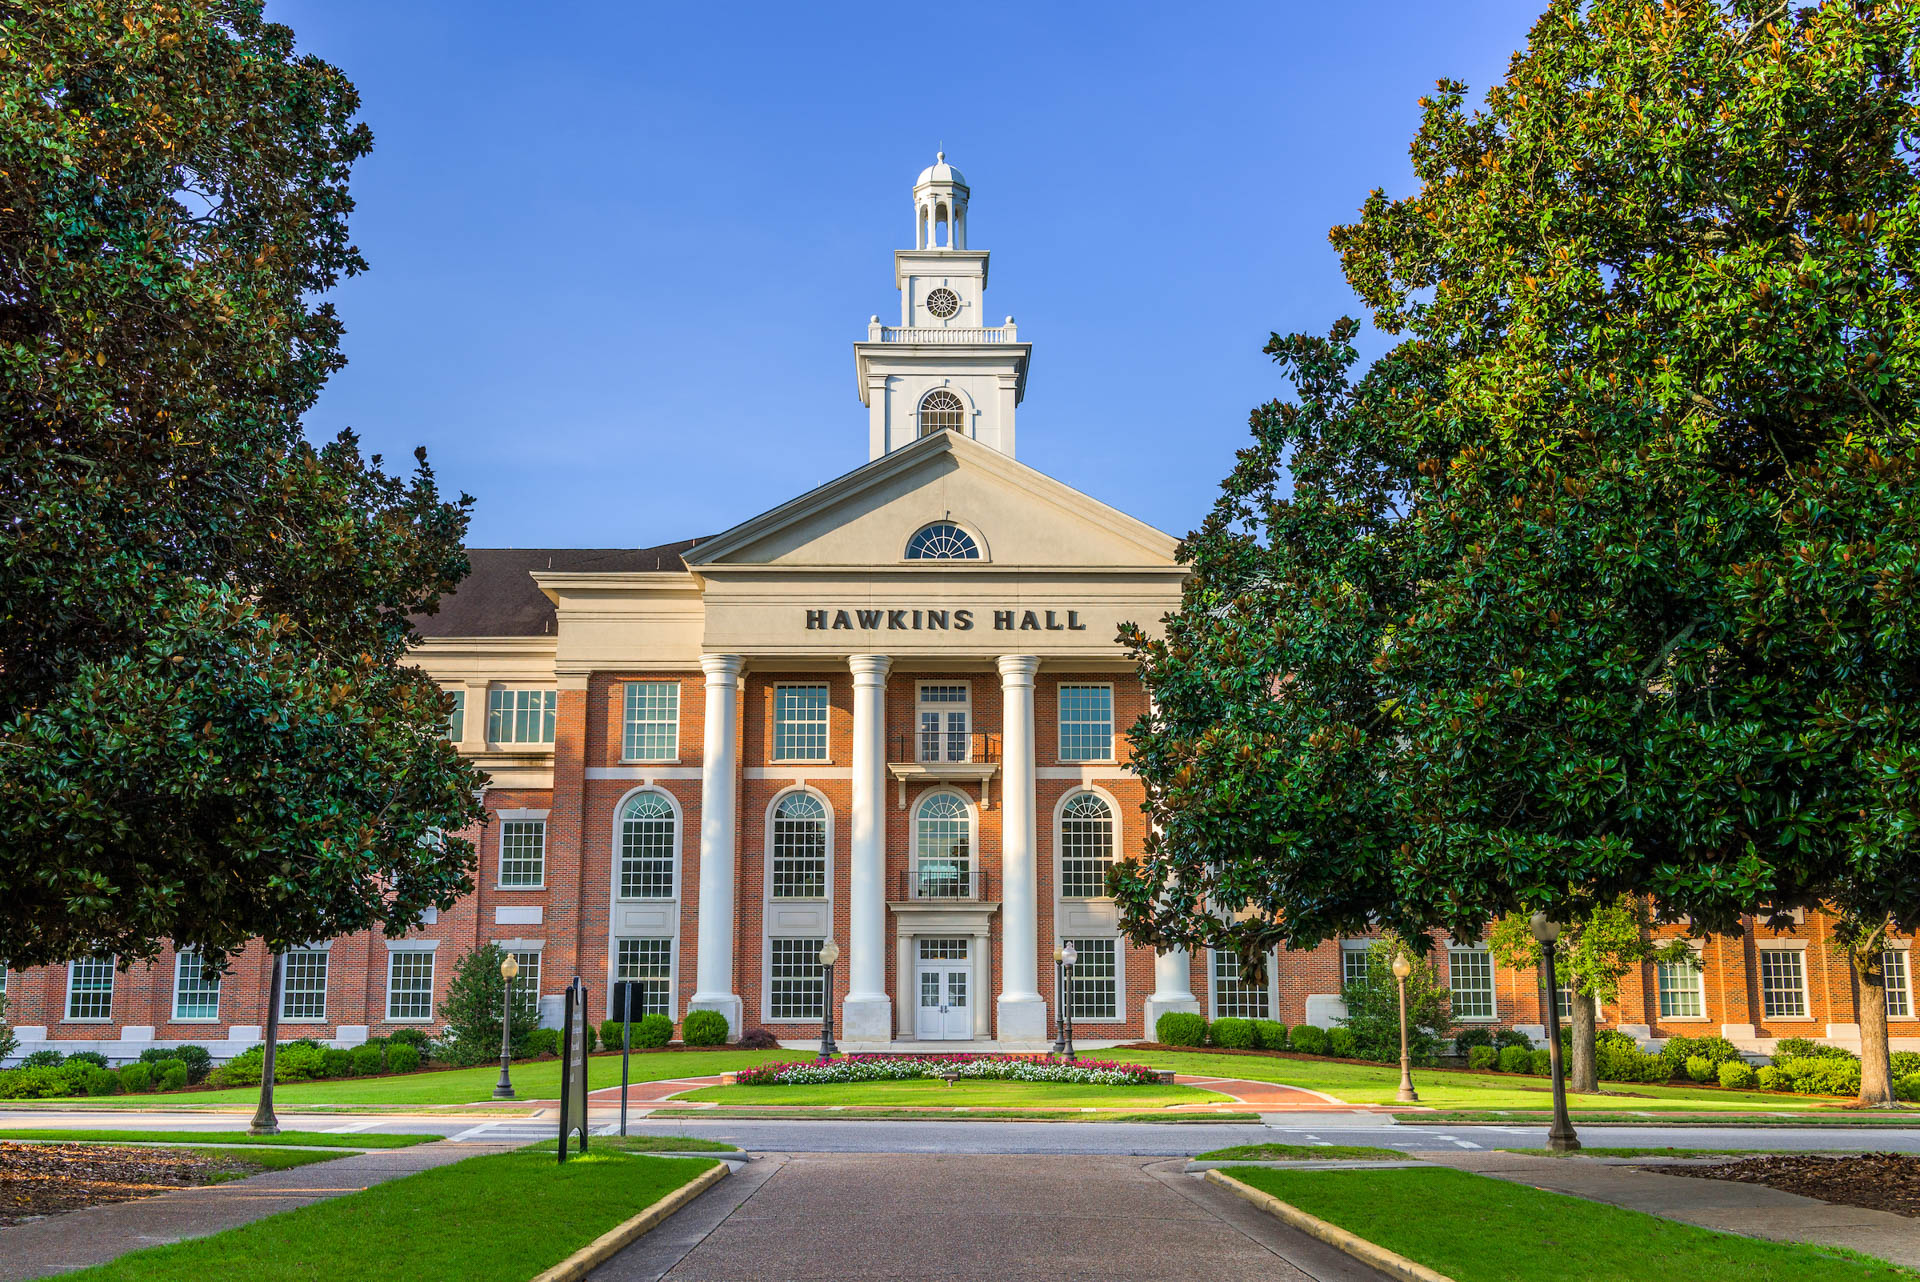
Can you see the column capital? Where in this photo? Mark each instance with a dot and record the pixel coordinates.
(1018, 669)
(873, 667)
(721, 667)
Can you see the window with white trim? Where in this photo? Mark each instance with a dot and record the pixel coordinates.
(943, 711)
(1086, 722)
(1086, 846)
(1898, 983)
(942, 411)
(90, 988)
(1096, 979)
(521, 716)
(523, 853)
(196, 995)
(1783, 984)
(1683, 993)
(1353, 964)
(800, 723)
(1234, 997)
(1470, 979)
(796, 981)
(648, 962)
(303, 986)
(410, 984)
(943, 847)
(942, 541)
(798, 866)
(652, 725)
(528, 980)
(647, 836)
(457, 717)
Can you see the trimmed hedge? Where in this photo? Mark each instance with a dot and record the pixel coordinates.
(1181, 1028)
(653, 1031)
(1309, 1039)
(704, 1028)
(1342, 1042)
(367, 1060)
(401, 1058)
(543, 1041)
(1234, 1034)
(1516, 1059)
(1738, 1075)
(1541, 1062)
(1271, 1034)
(1484, 1058)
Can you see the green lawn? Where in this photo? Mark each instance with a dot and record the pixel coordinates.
(241, 1164)
(1300, 1153)
(285, 1139)
(962, 1094)
(647, 1144)
(1476, 1229)
(502, 1218)
(958, 1115)
(1665, 1152)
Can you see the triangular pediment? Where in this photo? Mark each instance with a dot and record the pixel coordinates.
(1020, 517)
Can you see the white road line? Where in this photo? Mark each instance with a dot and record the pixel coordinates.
(472, 1131)
(351, 1127)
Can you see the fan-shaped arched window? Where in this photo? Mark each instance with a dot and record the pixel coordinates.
(1086, 846)
(943, 846)
(646, 847)
(799, 840)
(942, 541)
(942, 411)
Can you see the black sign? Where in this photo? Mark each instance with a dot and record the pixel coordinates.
(573, 1067)
(628, 1001)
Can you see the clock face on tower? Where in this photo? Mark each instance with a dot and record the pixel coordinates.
(943, 303)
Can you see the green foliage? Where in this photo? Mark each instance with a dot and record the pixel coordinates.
(1620, 1059)
(1234, 1034)
(1485, 1058)
(8, 1041)
(1506, 1037)
(46, 1058)
(1715, 1050)
(1180, 1028)
(610, 1033)
(1308, 1039)
(136, 1078)
(1342, 1042)
(703, 1028)
(1598, 946)
(1738, 1075)
(1904, 1063)
(418, 1038)
(402, 1058)
(1373, 1008)
(335, 1062)
(212, 727)
(94, 1058)
(366, 1060)
(543, 1041)
(653, 1031)
(38, 1081)
(1818, 1075)
(1540, 1063)
(1516, 1059)
(174, 1077)
(1805, 1048)
(1270, 1034)
(1768, 1078)
(98, 1081)
(1907, 1087)
(1701, 1069)
(1466, 1039)
(198, 1059)
(473, 1004)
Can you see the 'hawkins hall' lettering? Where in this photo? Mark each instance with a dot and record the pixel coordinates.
(924, 620)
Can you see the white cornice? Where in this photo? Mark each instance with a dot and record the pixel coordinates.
(868, 355)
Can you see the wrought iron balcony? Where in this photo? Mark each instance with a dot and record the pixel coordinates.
(942, 756)
(958, 882)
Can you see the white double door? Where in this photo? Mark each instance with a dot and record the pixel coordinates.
(945, 1011)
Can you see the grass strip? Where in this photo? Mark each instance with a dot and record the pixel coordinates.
(1896, 1121)
(503, 1218)
(646, 1144)
(853, 1114)
(1666, 1152)
(1301, 1153)
(245, 1163)
(1476, 1229)
(286, 1139)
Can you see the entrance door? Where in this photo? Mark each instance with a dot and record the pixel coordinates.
(945, 1012)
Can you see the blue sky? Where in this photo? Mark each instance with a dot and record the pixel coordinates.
(620, 252)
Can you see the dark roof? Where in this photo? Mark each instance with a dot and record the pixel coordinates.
(500, 598)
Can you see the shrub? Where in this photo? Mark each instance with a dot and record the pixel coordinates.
(96, 1080)
(42, 1059)
(1715, 1050)
(1505, 1037)
(366, 1059)
(1180, 1028)
(1540, 1062)
(39, 1081)
(1342, 1042)
(299, 1061)
(1701, 1069)
(1738, 1076)
(754, 1039)
(1803, 1048)
(403, 1058)
(417, 1037)
(1467, 1038)
(1620, 1059)
(1767, 1077)
(243, 1069)
(656, 1030)
(610, 1034)
(1309, 1040)
(1484, 1058)
(136, 1078)
(1905, 1063)
(1819, 1075)
(704, 1028)
(592, 1037)
(94, 1058)
(545, 1041)
(174, 1076)
(9, 1043)
(1373, 1006)
(1271, 1034)
(1516, 1059)
(1907, 1088)
(335, 1062)
(1234, 1034)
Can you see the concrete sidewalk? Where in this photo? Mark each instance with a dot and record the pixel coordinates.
(1753, 1210)
(79, 1239)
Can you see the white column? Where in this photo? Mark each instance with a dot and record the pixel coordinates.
(867, 1012)
(719, 769)
(1172, 987)
(1023, 1015)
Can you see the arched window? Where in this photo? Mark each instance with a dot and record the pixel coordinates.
(943, 847)
(1086, 846)
(799, 845)
(942, 411)
(942, 541)
(646, 847)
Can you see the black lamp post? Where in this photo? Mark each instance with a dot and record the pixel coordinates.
(1068, 956)
(503, 1089)
(1059, 1009)
(1401, 969)
(1560, 1138)
(829, 954)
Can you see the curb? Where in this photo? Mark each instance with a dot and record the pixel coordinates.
(1388, 1262)
(608, 1244)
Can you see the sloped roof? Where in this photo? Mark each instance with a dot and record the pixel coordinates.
(500, 598)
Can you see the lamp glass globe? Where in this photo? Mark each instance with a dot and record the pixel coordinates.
(1401, 966)
(509, 967)
(829, 953)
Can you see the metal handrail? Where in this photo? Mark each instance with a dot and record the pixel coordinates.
(944, 747)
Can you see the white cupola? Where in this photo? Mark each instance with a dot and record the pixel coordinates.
(940, 198)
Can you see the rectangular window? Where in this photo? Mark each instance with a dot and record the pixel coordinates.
(195, 996)
(652, 721)
(650, 963)
(523, 852)
(1783, 984)
(90, 988)
(457, 719)
(1234, 997)
(1899, 990)
(797, 980)
(1353, 965)
(944, 710)
(1096, 979)
(410, 984)
(1470, 972)
(528, 980)
(943, 950)
(1086, 723)
(799, 723)
(303, 987)
(1682, 992)
(521, 716)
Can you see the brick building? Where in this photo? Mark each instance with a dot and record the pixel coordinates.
(889, 713)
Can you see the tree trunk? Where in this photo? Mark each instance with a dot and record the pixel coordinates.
(1586, 1067)
(1876, 1067)
(264, 1121)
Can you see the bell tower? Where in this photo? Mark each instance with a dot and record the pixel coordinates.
(943, 367)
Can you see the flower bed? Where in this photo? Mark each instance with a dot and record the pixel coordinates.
(903, 1068)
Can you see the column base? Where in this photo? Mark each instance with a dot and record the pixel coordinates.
(866, 1019)
(1021, 1019)
(1156, 1006)
(727, 1004)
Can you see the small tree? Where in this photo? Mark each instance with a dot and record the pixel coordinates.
(472, 1009)
(1373, 1006)
(8, 1042)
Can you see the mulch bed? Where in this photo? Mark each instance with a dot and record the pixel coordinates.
(38, 1180)
(1876, 1181)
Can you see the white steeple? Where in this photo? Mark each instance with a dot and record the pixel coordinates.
(943, 368)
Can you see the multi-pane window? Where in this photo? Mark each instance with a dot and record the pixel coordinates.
(652, 722)
(1682, 991)
(90, 988)
(1234, 997)
(410, 984)
(797, 982)
(1899, 990)
(523, 852)
(1353, 964)
(528, 980)
(649, 962)
(196, 995)
(943, 847)
(1783, 984)
(1086, 723)
(303, 986)
(942, 541)
(1086, 846)
(800, 723)
(942, 411)
(1096, 979)
(457, 718)
(943, 712)
(521, 716)
(943, 950)
(646, 847)
(1470, 976)
(799, 837)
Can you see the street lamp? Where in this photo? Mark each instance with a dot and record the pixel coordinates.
(509, 968)
(1068, 956)
(1560, 1139)
(1059, 1011)
(1401, 969)
(829, 954)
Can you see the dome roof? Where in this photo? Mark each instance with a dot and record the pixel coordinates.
(940, 172)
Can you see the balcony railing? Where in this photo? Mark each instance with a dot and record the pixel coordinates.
(954, 882)
(943, 334)
(944, 747)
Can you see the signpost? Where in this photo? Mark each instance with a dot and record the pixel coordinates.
(573, 1067)
(624, 993)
